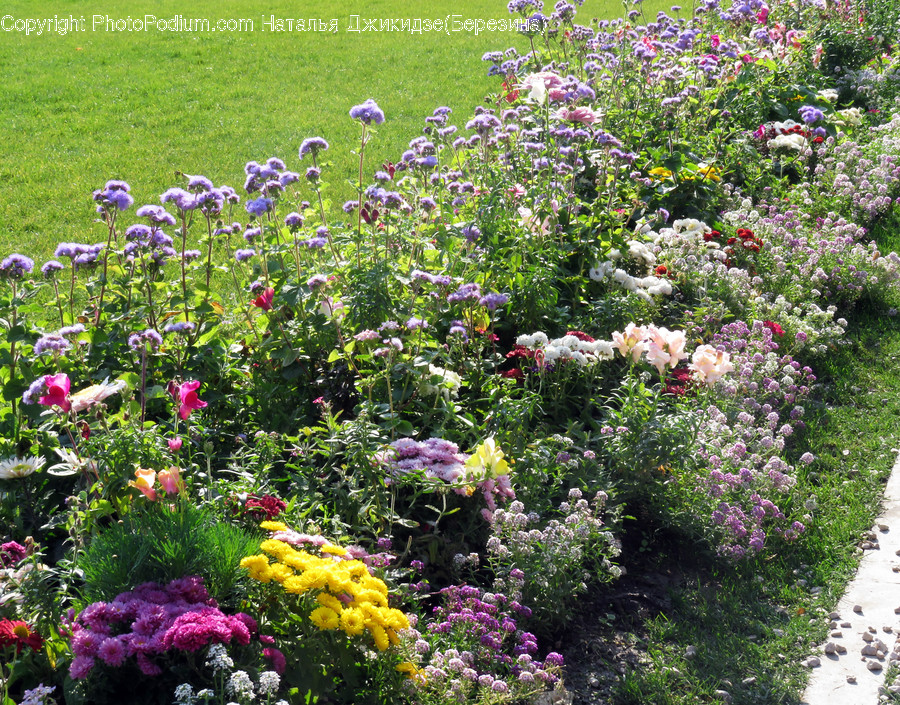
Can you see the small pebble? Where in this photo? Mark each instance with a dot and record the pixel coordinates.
(834, 615)
(846, 625)
(867, 636)
(874, 666)
(812, 662)
(690, 652)
(840, 648)
(830, 648)
(858, 609)
(884, 527)
(723, 695)
(836, 634)
(749, 681)
(851, 679)
(894, 688)
(869, 650)
(594, 682)
(887, 630)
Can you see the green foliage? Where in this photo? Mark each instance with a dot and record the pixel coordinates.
(162, 543)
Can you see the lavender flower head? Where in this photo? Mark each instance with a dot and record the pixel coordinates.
(16, 266)
(52, 267)
(139, 341)
(494, 301)
(244, 255)
(179, 327)
(259, 206)
(313, 145)
(367, 113)
(810, 114)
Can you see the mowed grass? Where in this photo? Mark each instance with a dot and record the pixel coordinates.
(79, 109)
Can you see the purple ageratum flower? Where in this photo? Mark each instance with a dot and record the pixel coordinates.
(52, 343)
(190, 255)
(199, 183)
(120, 199)
(471, 232)
(259, 206)
(139, 341)
(52, 267)
(276, 163)
(466, 292)
(315, 243)
(427, 204)
(493, 301)
(138, 231)
(155, 214)
(350, 206)
(183, 200)
(288, 177)
(416, 323)
(16, 266)
(294, 220)
(244, 255)
(313, 145)
(180, 327)
(367, 113)
(76, 329)
(313, 173)
(810, 114)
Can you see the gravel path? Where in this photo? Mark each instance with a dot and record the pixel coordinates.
(864, 638)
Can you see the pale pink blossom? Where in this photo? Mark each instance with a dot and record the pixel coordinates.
(710, 364)
(582, 114)
(631, 342)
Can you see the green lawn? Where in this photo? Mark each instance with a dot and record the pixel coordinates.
(78, 109)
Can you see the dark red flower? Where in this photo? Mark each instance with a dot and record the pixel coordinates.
(776, 329)
(584, 337)
(268, 505)
(661, 270)
(514, 373)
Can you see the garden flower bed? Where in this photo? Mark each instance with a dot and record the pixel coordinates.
(261, 449)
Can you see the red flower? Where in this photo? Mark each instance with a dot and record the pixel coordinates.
(268, 505)
(661, 270)
(515, 373)
(776, 329)
(745, 234)
(19, 634)
(264, 300)
(584, 337)
(186, 395)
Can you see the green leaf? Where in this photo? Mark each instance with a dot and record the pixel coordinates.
(334, 355)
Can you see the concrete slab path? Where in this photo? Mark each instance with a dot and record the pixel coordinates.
(865, 626)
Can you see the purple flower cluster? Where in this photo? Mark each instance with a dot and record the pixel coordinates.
(16, 266)
(473, 647)
(150, 621)
(270, 178)
(433, 459)
(367, 113)
(82, 256)
(114, 195)
(747, 476)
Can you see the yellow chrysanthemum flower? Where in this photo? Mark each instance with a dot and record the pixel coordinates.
(396, 619)
(353, 621)
(325, 618)
(660, 172)
(295, 585)
(280, 572)
(382, 642)
(330, 601)
(273, 526)
(275, 548)
(316, 577)
(371, 596)
(333, 550)
(257, 568)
